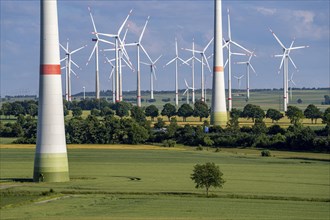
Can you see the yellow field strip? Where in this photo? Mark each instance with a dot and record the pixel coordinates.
(94, 146)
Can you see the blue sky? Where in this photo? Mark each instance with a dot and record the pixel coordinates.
(306, 21)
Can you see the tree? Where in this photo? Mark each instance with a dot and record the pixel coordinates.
(201, 110)
(326, 117)
(106, 111)
(253, 111)
(76, 112)
(326, 100)
(159, 124)
(274, 114)
(294, 114)
(95, 112)
(207, 175)
(122, 109)
(138, 115)
(17, 109)
(299, 101)
(32, 109)
(6, 108)
(152, 111)
(313, 113)
(185, 111)
(169, 110)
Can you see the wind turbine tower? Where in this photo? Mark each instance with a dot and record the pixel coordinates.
(176, 58)
(248, 66)
(153, 68)
(218, 108)
(51, 161)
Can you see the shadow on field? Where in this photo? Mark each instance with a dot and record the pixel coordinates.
(129, 177)
(21, 180)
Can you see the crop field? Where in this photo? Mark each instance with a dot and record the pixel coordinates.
(150, 182)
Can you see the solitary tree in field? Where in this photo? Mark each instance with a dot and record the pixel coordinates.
(326, 117)
(201, 110)
(207, 175)
(185, 111)
(313, 113)
(274, 114)
(152, 111)
(169, 110)
(294, 114)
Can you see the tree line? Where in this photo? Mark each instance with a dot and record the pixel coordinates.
(122, 123)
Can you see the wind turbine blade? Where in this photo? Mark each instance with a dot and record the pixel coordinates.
(207, 62)
(63, 59)
(208, 45)
(78, 49)
(75, 64)
(154, 71)
(169, 62)
(90, 56)
(113, 49)
(64, 48)
(292, 62)
(90, 13)
(252, 68)
(105, 41)
(226, 63)
(243, 48)
(185, 91)
(300, 47)
(278, 40)
(157, 59)
(195, 51)
(124, 38)
(176, 47)
(144, 28)
(104, 34)
(229, 31)
(241, 76)
(122, 26)
(239, 54)
(144, 63)
(225, 44)
(185, 81)
(124, 51)
(283, 57)
(236, 77)
(63, 67)
(241, 62)
(74, 73)
(183, 61)
(146, 53)
(111, 73)
(129, 64)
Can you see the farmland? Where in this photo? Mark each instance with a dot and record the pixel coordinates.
(151, 182)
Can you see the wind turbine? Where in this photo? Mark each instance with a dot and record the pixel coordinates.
(239, 80)
(118, 43)
(96, 51)
(153, 68)
(192, 59)
(204, 59)
(139, 45)
(176, 58)
(248, 66)
(187, 90)
(285, 62)
(68, 62)
(291, 84)
(111, 76)
(228, 44)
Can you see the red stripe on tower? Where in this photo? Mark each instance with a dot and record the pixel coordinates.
(48, 69)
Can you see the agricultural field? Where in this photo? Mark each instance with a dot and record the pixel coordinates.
(152, 182)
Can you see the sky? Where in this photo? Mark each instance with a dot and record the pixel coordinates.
(305, 21)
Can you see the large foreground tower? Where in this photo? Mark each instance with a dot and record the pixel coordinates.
(51, 161)
(218, 108)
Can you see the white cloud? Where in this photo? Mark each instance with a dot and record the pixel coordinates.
(266, 11)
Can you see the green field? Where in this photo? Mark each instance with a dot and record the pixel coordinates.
(145, 182)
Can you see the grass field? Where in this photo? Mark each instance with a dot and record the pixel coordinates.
(149, 182)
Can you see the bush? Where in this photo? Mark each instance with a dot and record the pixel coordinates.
(265, 153)
(199, 148)
(169, 143)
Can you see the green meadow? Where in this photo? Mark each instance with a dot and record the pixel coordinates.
(150, 182)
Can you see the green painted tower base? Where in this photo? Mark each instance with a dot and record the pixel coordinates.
(51, 167)
(219, 118)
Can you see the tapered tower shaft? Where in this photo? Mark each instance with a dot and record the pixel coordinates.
(51, 162)
(218, 108)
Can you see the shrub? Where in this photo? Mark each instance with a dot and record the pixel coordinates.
(169, 143)
(265, 153)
